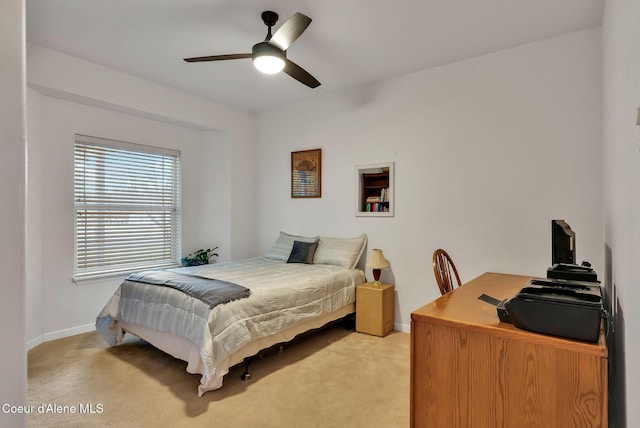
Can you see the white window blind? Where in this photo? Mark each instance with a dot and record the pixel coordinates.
(127, 207)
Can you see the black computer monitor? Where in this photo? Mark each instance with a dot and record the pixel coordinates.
(563, 242)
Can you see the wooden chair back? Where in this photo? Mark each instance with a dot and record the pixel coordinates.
(445, 271)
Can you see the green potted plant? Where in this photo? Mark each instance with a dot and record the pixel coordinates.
(200, 257)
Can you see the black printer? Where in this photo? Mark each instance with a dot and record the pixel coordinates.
(557, 307)
(571, 271)
(568, 303)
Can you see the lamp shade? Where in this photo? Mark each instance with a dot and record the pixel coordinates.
(268, 58)
(377, 260)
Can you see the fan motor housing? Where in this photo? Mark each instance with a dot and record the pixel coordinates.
(267, 49)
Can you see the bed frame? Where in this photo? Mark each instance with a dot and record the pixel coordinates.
(184, 350)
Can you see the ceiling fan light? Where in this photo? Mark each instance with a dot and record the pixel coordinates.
(268, 64)
(267, 58)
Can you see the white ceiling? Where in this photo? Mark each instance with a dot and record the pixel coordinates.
(349, 42)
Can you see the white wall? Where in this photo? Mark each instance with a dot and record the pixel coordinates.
(621, 159)
(480, 147)
(62, 76)
(13, 370)
(487, 151)
(69, 96)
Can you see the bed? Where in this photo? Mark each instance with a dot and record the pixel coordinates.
(302, 283)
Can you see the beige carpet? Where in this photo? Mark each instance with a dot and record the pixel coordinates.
(331, 378)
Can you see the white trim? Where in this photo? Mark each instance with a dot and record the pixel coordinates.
(405, 328)
(68, 332)
(35, 342)
(60, 334)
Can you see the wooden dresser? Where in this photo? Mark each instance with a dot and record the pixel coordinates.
(470, 370)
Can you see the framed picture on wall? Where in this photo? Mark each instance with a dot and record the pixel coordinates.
(306, 174)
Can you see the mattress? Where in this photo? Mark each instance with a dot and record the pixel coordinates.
(285, 299)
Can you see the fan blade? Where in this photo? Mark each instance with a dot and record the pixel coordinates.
(300, 74)
(290, 31)
(218, 57)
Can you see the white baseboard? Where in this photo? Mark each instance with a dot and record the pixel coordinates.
(405, 328)
(68, 332)
(35, 342)
(46, 337)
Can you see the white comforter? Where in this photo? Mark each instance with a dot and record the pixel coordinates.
(281, 295)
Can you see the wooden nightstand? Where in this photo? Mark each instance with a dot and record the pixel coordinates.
(374, 308)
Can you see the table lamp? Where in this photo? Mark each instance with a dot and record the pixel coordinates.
(377, 262)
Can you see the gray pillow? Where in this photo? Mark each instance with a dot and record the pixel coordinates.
(344, 252)
(302, 252)
(281, 249)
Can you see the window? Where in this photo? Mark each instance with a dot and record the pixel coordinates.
(127, 207)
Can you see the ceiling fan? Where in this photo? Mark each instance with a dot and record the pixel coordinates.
(270, 56)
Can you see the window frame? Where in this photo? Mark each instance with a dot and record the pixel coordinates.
(173, 209)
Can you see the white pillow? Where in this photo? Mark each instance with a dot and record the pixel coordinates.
(284, 244)
(344, 252)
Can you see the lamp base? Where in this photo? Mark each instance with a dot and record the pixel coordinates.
(376, 275)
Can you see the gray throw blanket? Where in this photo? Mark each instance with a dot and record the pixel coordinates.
(211, 291)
